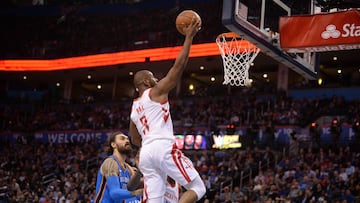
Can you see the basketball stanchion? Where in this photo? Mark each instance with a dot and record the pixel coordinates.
(237, 55)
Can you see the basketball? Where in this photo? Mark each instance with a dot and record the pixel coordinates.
(184, 19)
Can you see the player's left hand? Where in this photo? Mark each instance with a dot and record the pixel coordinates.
(193, 28)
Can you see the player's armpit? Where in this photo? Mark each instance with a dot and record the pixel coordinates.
(109, 168)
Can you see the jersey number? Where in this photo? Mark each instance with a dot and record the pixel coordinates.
(144, 122)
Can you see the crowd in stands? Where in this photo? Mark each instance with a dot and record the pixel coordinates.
(187, 112)
(322, 176)
(22, 172)
(74, 31)
(325, 175)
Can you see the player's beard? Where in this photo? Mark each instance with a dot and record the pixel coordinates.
(125, 149)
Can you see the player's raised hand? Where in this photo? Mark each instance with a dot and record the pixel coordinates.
(193, 28)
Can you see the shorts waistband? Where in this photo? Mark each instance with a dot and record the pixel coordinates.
(151, 140)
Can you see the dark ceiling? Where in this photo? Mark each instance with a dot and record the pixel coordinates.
(346, 61)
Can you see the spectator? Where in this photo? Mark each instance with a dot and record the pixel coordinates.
(348, 197)
(225, 196)
(237, 194)
(206, 181)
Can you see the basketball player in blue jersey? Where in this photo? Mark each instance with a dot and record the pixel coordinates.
(151, 128)
(114, 176)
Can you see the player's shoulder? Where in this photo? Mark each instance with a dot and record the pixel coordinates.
(109, 159)
(109, 162)
(109, 167)
(146, 93)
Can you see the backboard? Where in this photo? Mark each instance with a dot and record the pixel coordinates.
(257, 21)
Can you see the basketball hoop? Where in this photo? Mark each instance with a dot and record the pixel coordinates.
(237, 55)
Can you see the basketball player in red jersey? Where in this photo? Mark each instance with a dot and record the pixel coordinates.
(151, 128)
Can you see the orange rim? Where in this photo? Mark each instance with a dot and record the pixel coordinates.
(229, 35)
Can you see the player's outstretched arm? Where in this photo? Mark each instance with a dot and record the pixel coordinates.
(109, 169)
(134, 133)
(171, 79)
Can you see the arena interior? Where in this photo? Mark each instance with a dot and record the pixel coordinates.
(258, 143)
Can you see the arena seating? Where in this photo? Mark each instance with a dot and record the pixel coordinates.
(47, 172)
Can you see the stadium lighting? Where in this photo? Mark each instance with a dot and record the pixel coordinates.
(123, 57)
(335, 121)
(191, 87)
(320, 81)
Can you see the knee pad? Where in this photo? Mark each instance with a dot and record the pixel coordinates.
(197, 185)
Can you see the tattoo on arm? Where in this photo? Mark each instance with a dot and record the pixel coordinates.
(109, 168)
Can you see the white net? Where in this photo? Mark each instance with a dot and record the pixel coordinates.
(237, 55)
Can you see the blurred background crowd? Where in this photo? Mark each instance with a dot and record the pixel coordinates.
(65, 173)
(186, 112)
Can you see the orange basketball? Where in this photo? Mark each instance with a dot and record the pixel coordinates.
(184, 19)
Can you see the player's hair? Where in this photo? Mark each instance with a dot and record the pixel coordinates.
(110, 149)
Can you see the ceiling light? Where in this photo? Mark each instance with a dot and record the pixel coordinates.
(191, 87)
(89, 76)
(212, 79)
(251, 64)
(334, 58)
(24, 77)
(202, 67)
(265, 75)
(99, 87)
(131, 73)
(57, 84)
(339, 71)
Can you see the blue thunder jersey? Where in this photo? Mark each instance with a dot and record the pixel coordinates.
(102, 192)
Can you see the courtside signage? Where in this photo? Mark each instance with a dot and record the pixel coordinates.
(321, 32)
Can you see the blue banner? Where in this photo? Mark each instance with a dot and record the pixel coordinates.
(282, 135)
(8, 138)
(72, 137)
(347, 135)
